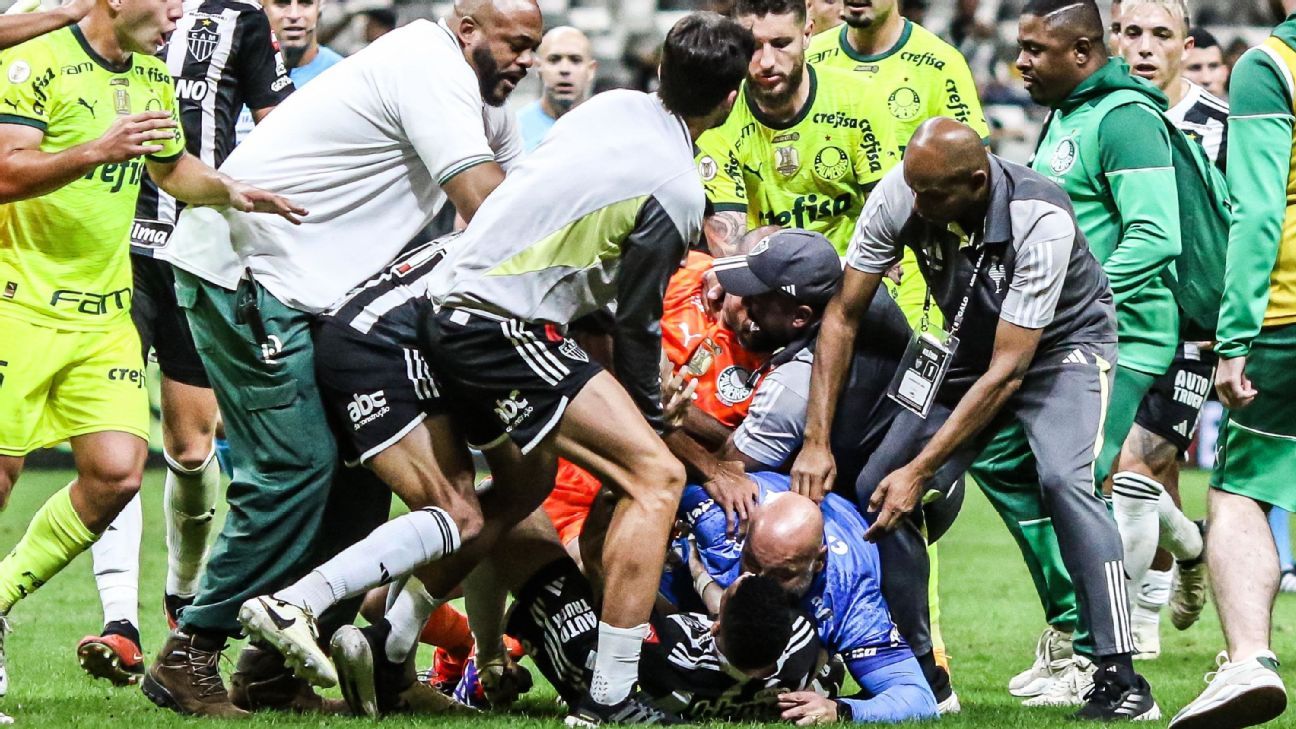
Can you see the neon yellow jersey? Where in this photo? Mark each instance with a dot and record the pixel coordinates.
(812, 172)
(923, 76)
(65, 255)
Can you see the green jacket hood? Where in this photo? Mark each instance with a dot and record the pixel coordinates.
(1113, 76)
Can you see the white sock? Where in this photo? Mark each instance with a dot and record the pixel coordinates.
(407, 616)
(1134, 499)
(1179, 534)
(116, 564)
(189, 501)
(390, 552)
(1154, 593)
(616, 666)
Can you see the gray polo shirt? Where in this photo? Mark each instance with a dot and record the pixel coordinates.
(1037, 272)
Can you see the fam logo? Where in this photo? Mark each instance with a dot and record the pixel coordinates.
(732, 385)
(831, 163)
(904, 103)
(708, 168)
(1064, 156)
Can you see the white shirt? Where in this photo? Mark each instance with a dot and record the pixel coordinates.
(366, 154)
(1204, 117)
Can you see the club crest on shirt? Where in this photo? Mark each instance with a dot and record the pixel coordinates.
(1064, 156)
(831, 163)
(787, 161)
(202, 40)
(904, 104)
(732, 385)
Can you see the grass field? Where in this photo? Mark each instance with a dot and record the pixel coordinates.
(990, 620)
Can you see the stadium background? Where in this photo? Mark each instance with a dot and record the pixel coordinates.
(990, 617)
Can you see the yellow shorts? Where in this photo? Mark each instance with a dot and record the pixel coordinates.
(56, 384)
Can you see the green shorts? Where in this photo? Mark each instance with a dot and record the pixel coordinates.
(1257, 445)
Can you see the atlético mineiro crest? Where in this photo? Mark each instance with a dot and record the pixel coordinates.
(203, 40)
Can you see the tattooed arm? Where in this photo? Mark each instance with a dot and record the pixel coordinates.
(724, 231)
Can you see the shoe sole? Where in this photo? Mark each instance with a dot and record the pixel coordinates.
(308, 662)
(354, 660)
(100, 661)
(1249, 708)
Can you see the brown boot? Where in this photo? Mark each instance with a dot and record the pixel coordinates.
(263, 682)
(186, 678)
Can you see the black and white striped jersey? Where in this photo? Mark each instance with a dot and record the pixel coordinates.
(683, 671)
(388, 305)
(1203, 117)
(223, 56)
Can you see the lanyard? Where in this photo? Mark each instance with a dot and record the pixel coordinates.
(967, 297)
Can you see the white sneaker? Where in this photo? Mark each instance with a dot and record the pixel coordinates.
(4, 666)
(1237, 695)
(291, 631)
(1069, 687)
(1052, 654)
(950, 706)
(1147, 633)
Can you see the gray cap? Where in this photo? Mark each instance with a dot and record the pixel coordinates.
(800, 263)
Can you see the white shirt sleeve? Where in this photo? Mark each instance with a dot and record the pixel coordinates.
(873, 246)
(440, 108)
(774, 428)
(504, 135)
(1043, 236)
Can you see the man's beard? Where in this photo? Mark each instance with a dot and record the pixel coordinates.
(488, 76)
(292, 55)
(776, 99)
(562, 104)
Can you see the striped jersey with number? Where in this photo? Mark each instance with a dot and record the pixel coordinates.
(222, 55)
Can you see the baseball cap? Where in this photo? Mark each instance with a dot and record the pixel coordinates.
(800, 263)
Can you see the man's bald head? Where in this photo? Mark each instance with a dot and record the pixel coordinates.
(499, 38)
(947, 167)
(785, 541)
(567, 69)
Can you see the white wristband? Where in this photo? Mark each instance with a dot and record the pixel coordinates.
(702, 582)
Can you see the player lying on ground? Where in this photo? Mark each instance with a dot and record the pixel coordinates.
(818, 554)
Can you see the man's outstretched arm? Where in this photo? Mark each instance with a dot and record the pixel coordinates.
(21, 22)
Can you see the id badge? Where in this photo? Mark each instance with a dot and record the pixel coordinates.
(922, 371)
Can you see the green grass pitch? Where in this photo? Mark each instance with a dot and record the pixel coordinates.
(990, 620)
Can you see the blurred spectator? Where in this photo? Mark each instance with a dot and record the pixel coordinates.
(915, 10)
(566, 66)
(1204, 63)
(977, 41)
(823, 14)
(294, 23)
(1235, 51)
(641, 56)
(377, 23)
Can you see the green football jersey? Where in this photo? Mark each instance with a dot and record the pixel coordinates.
(814, 171)
(65, 255)
(923, 76)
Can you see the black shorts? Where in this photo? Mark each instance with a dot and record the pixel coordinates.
(374, 392)
(504, 377)
(1173, 405)
(161, 322)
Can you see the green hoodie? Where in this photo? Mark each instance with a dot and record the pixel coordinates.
(1107, 147)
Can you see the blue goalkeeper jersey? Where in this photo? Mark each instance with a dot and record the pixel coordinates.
(845, 598)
